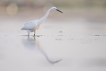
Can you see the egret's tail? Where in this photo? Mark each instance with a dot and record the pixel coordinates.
(22, 28)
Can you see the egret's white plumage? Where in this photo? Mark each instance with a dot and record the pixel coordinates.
(32, 26)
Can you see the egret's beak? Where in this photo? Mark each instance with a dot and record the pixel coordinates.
(59, 11)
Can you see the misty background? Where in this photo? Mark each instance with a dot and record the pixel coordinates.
(89, 9)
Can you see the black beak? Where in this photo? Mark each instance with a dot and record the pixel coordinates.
(59, 11)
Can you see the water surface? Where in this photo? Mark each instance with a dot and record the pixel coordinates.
(76, 44)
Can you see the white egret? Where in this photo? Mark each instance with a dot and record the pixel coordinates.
(34, 25)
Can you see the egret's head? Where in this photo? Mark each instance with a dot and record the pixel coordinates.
(54, 8)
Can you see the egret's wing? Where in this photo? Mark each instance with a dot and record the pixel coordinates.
(30, 25)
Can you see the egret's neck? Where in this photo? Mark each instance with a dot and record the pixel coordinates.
(45, 16)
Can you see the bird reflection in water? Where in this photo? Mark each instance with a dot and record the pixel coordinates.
(33, 44)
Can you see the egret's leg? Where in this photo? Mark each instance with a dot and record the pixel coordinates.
(28, 32)
(34, 33)
(34, 38)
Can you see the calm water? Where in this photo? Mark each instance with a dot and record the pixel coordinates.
(64, 45)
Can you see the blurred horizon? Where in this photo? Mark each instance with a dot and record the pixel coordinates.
(88, 9)
(58, 3)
